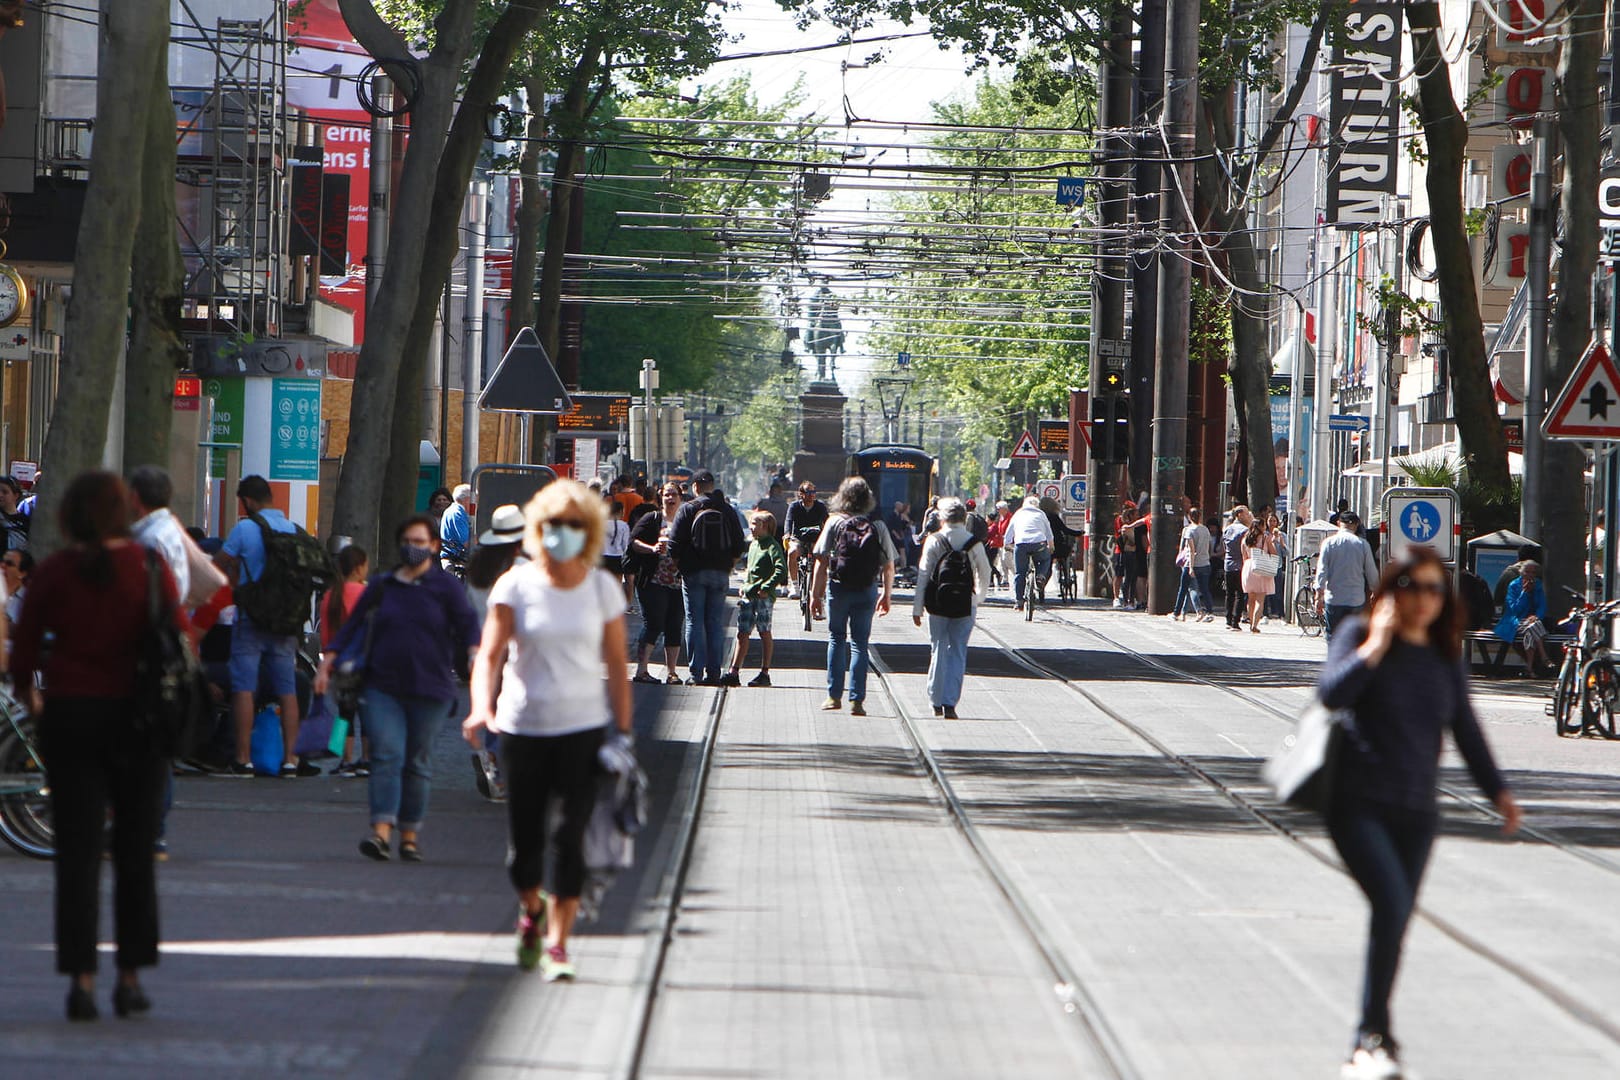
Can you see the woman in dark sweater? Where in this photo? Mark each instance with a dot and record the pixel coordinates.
(91, 599)
(1400, 675)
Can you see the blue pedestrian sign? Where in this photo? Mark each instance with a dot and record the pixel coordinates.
(1071, 190)
(1074, 492)
(1419, 522)
(1420, 517)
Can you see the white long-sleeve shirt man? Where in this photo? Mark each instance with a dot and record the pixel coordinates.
(1028, 526)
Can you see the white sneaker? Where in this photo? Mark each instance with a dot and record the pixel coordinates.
(1118, 602)
(1374, 1059)
(793, 592)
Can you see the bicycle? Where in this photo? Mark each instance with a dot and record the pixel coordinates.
(1587, 677)
(1034, 586)
(25, 798)
(806, 541)
(1310, 623)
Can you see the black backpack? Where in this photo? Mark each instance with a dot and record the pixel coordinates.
(857, 553)
(711, 540)
(296, 567)
(950, 591)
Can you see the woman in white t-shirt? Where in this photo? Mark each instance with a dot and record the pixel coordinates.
(553, 623)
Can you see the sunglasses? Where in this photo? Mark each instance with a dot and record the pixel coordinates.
(571, 523)
(1407, 583)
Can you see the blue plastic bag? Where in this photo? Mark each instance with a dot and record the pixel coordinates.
(315, 730)
(266, 748)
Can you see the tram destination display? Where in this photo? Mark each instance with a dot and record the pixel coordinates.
(604, 415)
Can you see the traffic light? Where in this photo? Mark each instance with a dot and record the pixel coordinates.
(1110, 428)
(1113, 381)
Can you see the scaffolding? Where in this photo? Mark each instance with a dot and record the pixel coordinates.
(237, 262)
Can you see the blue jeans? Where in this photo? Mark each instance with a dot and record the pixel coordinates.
(401, 728)
(849, 628)
(1042, 554)
(705, 593)
(1194, 591)
(1385, 850)
(1336, 614)
(947, 658)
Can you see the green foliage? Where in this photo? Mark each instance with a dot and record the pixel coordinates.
(766, 432)
(1210, 337)
(1432, 468)
(1013, 331)
(1411, 315)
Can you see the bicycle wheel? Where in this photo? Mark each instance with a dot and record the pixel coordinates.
(1031, 591)
(1563, 702)
(804, 598)
(1599, 691)
(1310, 623)
(25, 805)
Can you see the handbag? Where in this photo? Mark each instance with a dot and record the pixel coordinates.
(349, 673)
(172, 702)
(315, 730)
(1301, 772)
(1263, 563)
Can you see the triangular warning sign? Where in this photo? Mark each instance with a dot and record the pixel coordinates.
(524, 380)
(1026, 447)
(1587, 409)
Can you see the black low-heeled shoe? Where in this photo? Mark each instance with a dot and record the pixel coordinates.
(129, 1000)
(81, 1005)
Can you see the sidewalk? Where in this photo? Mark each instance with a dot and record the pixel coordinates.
(286, 952)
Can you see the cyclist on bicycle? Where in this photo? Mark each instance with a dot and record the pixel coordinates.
(805, 517)
(1029, 534)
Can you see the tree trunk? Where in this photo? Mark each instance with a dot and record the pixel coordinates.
(156, 349)
(532, 211)
(361, 477)
(134, 41)
(575, 107)
(1580, 118)
(1250, 362)
(1445, 135)
(440, 242)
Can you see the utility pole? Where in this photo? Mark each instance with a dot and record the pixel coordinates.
(1537, 285)
(1108, 303)
(1145, 268)
(1175, 302)
(1327, 340)
(378, 210)
(472, 323)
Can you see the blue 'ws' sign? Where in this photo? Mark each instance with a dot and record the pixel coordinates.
(1071, 190)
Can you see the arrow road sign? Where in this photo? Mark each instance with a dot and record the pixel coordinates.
(1588, 407)
(1348, 422)
(525, 381)
(1026, 449)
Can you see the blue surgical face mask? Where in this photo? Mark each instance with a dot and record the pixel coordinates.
(563, 542)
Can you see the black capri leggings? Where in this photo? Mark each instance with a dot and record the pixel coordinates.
(539, 768)
(662, 612)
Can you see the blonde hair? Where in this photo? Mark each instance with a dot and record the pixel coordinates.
(556, 499)
(756, 516)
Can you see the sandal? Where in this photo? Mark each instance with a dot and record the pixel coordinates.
(374, 847)
(409, 852)
(645, 677)
(675, 680)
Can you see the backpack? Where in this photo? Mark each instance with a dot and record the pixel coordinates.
(296, 567)
(950, 591)
(711, 541)
(857, 554)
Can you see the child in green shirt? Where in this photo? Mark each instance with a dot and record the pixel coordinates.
(767, 570)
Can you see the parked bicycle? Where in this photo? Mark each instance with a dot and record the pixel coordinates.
(1586, 695)
(1310, 623)
(25, 802)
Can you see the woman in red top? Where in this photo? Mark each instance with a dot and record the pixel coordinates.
(354, 566)
(91, 598)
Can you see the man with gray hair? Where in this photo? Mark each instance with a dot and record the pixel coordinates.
(455, 528)
(1029, 534)
(1345, 573)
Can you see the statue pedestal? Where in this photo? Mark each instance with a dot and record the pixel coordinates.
(821, 459)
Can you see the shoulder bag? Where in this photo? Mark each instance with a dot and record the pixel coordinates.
(1301, 771)
(172, 701)
(1263, 563)
(349, 672)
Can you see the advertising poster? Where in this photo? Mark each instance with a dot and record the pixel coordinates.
(295, 429)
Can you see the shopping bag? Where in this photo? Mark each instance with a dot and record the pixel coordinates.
(315, 730)
(1301, 771)
(265, 748)
(340, 736)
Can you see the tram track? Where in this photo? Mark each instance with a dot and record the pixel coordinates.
(1564, 1001)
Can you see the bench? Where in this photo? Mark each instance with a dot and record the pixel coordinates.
(1490, 654)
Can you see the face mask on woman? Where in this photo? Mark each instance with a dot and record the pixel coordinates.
(411, 555)
(563, 542)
